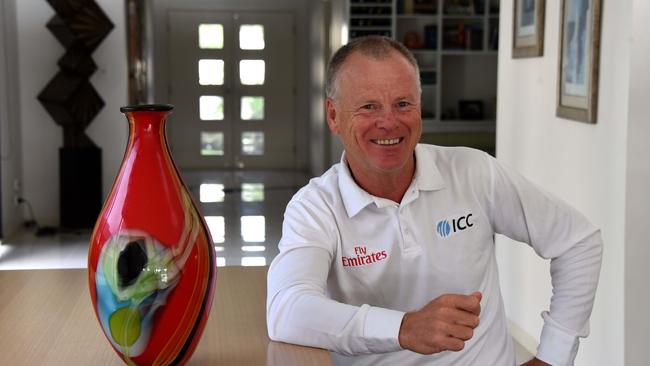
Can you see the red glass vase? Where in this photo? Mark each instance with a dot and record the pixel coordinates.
(151, 268)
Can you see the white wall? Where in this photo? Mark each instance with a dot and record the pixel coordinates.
(583, 164)
(9, 121)
(637, 230)
(38, 52)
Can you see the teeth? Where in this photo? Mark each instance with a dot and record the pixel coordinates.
(387, 142)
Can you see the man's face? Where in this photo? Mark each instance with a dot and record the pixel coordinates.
(376, 113)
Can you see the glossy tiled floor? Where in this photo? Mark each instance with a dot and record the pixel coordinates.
(27, 251)
(243, 210)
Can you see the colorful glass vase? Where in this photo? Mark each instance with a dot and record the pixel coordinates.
(151, 267)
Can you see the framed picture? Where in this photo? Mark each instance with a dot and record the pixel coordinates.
(528, 28)
(577, 88)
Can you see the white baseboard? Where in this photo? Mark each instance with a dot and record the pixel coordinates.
(525, 344)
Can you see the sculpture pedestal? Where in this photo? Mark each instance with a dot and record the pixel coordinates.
(80, 175)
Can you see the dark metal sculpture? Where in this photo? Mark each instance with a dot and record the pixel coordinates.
(70, 99)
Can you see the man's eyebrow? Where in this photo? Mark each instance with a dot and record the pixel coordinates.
(366, 101)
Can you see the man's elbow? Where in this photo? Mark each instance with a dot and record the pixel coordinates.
(280, 329)
(275, 320)
(597, 246)
(272, 327)
(283, 325)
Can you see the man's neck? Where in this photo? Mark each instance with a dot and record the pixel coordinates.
(391, 186)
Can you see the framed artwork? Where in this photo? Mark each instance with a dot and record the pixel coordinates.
(577, 88)
(528, 28)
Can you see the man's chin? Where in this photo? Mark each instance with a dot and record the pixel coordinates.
(391, 166)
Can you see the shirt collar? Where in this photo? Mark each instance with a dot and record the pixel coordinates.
(354, 197)
(427, 178)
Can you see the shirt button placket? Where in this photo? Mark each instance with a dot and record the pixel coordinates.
(403, 228)
(407, 238)
(398, 218)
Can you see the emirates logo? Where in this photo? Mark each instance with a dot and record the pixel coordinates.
(363, 257)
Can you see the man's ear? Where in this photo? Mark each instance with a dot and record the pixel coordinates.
(332, 120)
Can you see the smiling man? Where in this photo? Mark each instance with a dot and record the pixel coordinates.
(374, 108)
(388, 258)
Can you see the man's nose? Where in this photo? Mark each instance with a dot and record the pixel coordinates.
(387, 119)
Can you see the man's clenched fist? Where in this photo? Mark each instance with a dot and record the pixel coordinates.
(445, 323)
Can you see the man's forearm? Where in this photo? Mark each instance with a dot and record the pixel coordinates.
(575, 278)
(299, 312)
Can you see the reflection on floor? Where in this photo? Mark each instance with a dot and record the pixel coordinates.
(27, 251)
(243, 211)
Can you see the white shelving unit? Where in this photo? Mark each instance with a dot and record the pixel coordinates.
(454, 42)
(371, 17)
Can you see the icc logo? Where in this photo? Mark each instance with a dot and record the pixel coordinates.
(445, 229)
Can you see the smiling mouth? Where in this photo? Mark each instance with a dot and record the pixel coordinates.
(387, 142)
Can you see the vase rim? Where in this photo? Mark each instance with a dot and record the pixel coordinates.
(147, 107)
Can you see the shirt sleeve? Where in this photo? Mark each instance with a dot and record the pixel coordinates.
(556, 231)
(298, 308)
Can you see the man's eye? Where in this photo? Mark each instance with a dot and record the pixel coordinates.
(368, 107)
(403, 104)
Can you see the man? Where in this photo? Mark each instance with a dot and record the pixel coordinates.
(388, 258)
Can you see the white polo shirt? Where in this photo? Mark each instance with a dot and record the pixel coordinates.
(351, 264)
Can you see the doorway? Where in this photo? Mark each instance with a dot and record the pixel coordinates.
(232, 80)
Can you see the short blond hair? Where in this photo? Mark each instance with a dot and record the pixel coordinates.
(378, 47)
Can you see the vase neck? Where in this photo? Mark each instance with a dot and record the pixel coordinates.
(147, 122)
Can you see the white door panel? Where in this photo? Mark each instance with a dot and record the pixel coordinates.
(272, 125)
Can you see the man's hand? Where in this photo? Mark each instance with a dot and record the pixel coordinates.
(445, 323)
(535, 362)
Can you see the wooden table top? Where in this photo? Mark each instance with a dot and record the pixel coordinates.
(46, 319)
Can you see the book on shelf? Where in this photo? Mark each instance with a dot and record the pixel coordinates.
(431, 36)
(370, 22)
(463, 36)
(464, 7)
(371, 10)
(494, 6)
(370, 2)
(494, 37)
(408, 7)
(428, 77)
(355, 33)
(413, 39)
(425, 6)
(473, 37)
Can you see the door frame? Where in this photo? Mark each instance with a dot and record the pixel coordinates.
(11, 215)
(308, 82)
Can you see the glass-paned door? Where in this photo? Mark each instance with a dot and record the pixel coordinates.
(232, 81)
